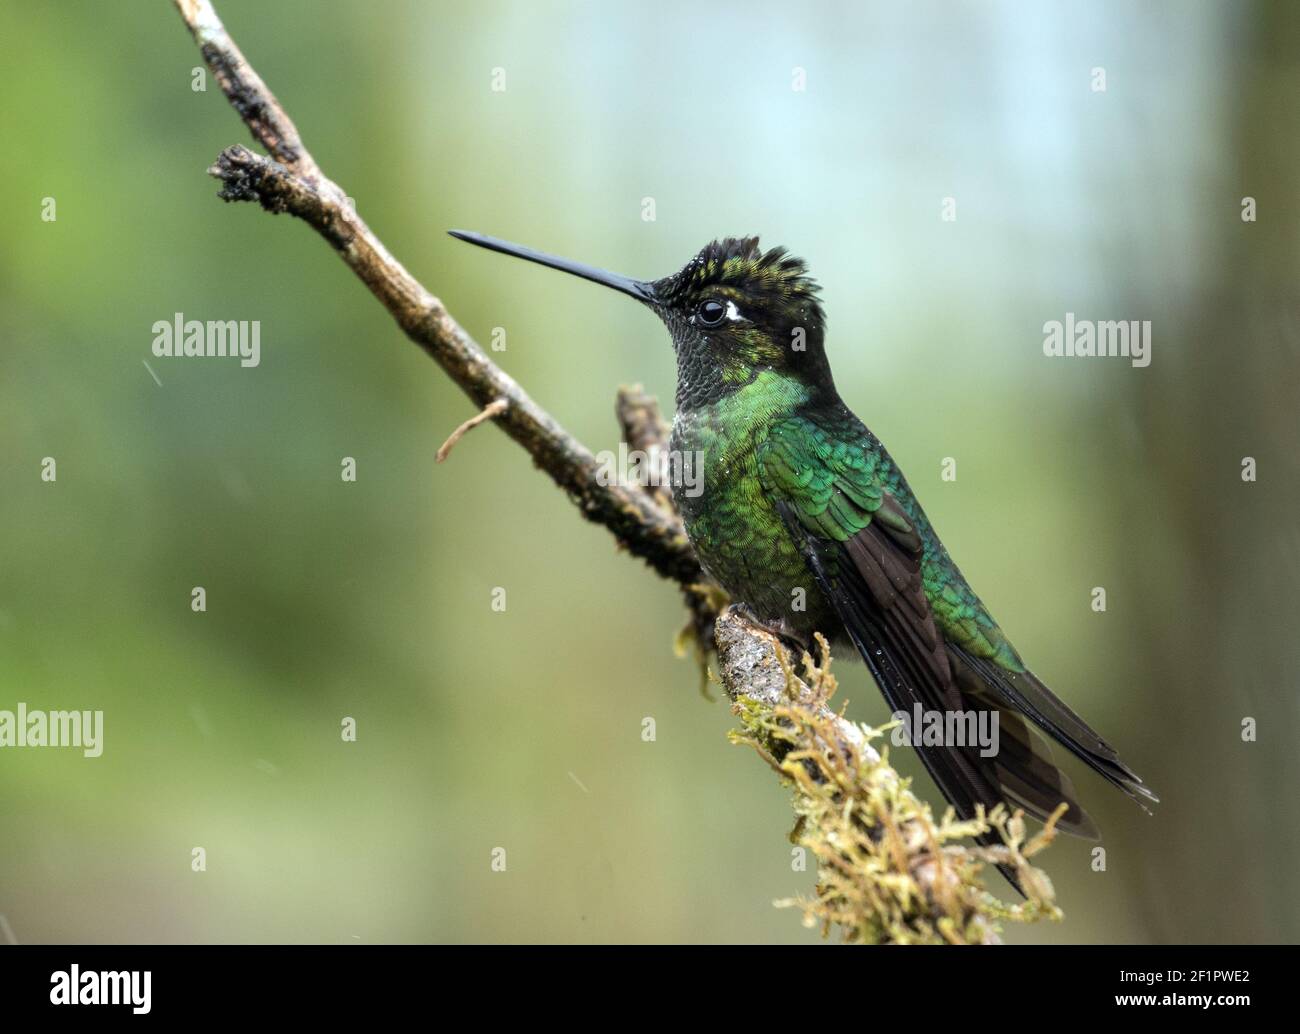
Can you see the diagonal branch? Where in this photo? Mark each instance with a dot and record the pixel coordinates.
(291, 181)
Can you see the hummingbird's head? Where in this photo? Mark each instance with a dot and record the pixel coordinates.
(733, 310)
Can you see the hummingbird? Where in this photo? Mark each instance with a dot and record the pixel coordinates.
(802, 516)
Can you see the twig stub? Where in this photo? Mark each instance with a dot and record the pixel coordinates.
(487, 413)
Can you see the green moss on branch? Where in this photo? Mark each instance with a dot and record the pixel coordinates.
(888, 872)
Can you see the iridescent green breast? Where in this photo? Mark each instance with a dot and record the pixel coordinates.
(741, 540)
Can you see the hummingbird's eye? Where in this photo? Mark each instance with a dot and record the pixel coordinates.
(711, 312)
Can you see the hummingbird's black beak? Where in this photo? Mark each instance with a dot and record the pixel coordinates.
(638, 289)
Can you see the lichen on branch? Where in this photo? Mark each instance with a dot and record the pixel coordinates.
(888, 872)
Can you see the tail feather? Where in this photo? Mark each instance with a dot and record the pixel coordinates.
(873, 581)
(1024, 693)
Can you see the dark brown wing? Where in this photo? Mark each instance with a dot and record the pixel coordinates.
(873, 580)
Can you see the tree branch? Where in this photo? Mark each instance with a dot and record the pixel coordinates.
(887, 872)
(291, 181)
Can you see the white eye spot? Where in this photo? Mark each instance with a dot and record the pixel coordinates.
(733, 313)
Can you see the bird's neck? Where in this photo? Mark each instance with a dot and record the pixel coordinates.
(741, 406)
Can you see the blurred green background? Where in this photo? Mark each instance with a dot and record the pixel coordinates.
(479, 729)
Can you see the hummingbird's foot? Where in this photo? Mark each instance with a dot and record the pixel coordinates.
(793, 642)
